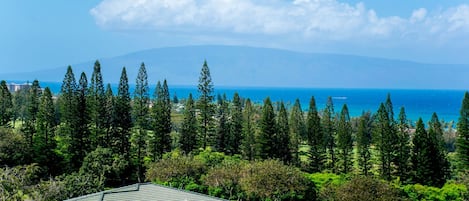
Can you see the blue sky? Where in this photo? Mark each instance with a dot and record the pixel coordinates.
(47, 34)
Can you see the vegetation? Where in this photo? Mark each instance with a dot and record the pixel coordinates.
(87, 138)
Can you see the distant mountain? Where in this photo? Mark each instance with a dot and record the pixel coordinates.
(263, 67)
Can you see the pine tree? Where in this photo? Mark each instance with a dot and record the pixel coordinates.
(29, 128)
(97, 106)
(462, 143)
(364, 140)
(70, 119)
(19, 101)
(384, 141)
(141, 98)
(223, 128)
(167, 110)
(141, 113)
(249, 145)
(161, 140)
(315, 138)
(46, 118)
(33, 103)
(297, 130)
(206, 107)
(44, 143)
(403, 150)
(5, 104)
(67, 97)
(420, 154)
(345, 141)
(268, 131)
(188, 139)
(329, 132)
(282, 140)
(109, 119)
(123, 120)
(80, 143)
(429, 159)
(236, 129)
(439, 163)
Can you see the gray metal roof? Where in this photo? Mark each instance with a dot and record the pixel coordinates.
(146, 191)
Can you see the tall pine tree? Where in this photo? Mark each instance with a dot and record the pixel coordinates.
(110, 136)
(236, 125)
(329, 131)
(5, 104)
(44, 143)
(429, 160)
(206, 107)
(97, 106)
(188, 139)
(123, 113)
(403, 150)
(223, 128)
(384, 141)
(297, 131)
(141, 113)
(315, 138)
(160, 142)
(268, 131)
(282, 141)
(69, 135)
(67, 98)
(29, 127)
(364, 140)
(345, 141)
(80, 139)
(420, 155)
(439, 163)
(249, 145)
(462, 142)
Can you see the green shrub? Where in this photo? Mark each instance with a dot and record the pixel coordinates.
(272, 180)
(360, 188)
(224, 179)
(321, 179)
(178, 172)
(450, 191)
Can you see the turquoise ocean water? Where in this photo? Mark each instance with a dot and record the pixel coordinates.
(418, 103)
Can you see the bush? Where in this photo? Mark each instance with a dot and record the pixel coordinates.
(179, 171)
(272, 180)
(12, 147)
(323, 179)
(224, 180)
(450, 191)
(103, 163)
(360, 188)
(16, 182)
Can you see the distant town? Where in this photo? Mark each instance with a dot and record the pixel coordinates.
(14, 87)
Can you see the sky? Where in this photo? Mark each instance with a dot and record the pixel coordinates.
(37, 35)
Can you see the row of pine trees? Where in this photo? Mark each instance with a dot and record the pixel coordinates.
(138, 127)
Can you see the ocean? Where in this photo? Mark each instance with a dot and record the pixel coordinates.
(417, 103)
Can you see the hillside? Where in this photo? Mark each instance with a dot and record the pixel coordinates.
(248, 66)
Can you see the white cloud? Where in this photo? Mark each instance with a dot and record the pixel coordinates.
(418, 15)
(305, 19)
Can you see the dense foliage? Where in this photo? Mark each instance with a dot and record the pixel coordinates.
(88, 138)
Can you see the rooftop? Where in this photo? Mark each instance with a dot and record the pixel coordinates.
(146, 191)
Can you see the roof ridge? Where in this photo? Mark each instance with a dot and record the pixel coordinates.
(101, 195)
(183, 190)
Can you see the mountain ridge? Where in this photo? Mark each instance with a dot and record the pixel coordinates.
(267, 67)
